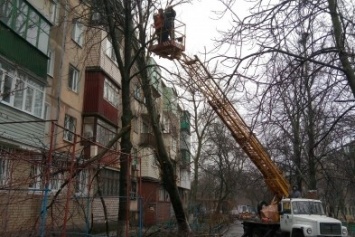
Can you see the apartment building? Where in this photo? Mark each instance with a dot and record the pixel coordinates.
(59, 107)
(24, 43)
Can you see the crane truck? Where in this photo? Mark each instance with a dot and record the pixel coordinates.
(294, 217)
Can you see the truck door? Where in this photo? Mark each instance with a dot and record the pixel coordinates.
(286, 216)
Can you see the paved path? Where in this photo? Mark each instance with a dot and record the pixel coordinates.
(235, 230)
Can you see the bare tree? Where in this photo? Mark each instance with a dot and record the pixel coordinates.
(224, 161)
(270, 26)
(202, 119)
(299, 70)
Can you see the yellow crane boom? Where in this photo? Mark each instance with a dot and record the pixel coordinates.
(239, 129)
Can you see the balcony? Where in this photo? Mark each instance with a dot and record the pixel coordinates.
(185, 159)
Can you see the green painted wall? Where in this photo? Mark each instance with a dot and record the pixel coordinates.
(185, 121)
(18, 50)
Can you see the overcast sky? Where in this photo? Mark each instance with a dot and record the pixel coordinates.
(200, 27)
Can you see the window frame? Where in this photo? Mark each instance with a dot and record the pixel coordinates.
(104, 132)
(109, 50)
(4, 170)
(57, 179)
(50, 62)
(133, 194)
(73, 78)
(36, 179)
(166, 125)
(163, 195)
(69, 128)
(109, 182)
(54, 12)
(111, 93)
(78, 32)
(30, 98)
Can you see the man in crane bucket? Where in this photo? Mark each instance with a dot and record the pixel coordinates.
(169, 16)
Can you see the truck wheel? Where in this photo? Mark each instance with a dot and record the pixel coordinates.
(297, 233)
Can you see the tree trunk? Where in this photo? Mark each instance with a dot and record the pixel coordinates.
(340, 45)
(166, 166)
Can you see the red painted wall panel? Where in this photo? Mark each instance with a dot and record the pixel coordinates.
(154, 211)
(94, 102)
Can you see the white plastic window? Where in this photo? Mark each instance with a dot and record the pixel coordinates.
(21, 92)
(69, 125)
(73, 79)
(78, 32)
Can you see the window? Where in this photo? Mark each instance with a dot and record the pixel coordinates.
(56, 178)
(104, 132)
(27, 22)
(73, 79)
(111, 93)
(166, 125)
(307, 207)
(137, 93)
(35, 177)
(133, 193)
(163, 195)
(55, 182)
(21, 92)
(146, 128)
(7, 85)
(4, 171)
(78, 32)
(286, 207)
(54, 12)
(110, 52)
(173, 144)
(50, 63)
(69, 125)
(109, 182)
(81, 183)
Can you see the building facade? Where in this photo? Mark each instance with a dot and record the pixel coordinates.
(59, 108)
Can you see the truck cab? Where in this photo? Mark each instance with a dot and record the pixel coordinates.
(306, 217)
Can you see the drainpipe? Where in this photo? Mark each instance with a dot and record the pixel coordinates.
(54, 128)
(60, 73)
